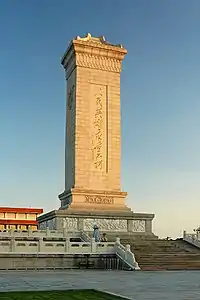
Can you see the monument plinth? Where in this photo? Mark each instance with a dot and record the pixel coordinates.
(93, 143)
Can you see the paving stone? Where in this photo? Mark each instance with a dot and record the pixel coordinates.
(136, 285)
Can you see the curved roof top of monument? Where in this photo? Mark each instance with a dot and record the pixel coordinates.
(94, 42)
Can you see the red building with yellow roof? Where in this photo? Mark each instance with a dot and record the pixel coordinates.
(19, 218)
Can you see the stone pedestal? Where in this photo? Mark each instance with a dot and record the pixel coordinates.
(115, 223)
(77, 199)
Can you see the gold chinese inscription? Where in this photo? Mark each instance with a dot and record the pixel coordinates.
(98, 130)
(99, 200)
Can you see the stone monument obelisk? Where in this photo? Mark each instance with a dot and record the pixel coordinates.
(92, 164)
(92, 192)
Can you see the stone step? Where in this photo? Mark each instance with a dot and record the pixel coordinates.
(168, 255)
(161, 263)
(170, 268)
(165, 255)
(194, 265)
(167, 260)
(175, 260)
(152, 250)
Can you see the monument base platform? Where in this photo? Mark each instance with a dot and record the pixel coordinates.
(77, 199)
(110, 222)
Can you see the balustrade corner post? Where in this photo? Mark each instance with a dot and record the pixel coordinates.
(127, 250)
(93, 245)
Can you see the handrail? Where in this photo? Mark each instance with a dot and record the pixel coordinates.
(192, 238)
(85, 236)
(127, 263)
(125, 254)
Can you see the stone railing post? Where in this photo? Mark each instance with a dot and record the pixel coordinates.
(130, 257)
(40, 244)
(127, 249)
(93, 246)
(64, 231)
(11, 232)
(117, 240)
(67, 245)
(47, 232)
(12, 244)
(30, 232)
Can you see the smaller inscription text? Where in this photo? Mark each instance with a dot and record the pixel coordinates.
(99, 200)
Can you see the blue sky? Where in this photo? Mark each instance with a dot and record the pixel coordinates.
(159, 95)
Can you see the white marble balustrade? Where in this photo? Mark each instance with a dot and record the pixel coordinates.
(39, 233)
(192, 238)
(13, 244)
(125, 254)
(58, 242)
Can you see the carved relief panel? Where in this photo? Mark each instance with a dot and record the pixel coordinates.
(106, 224)
(71, 224)
(43, 225)
(138, 226)
(51, 224)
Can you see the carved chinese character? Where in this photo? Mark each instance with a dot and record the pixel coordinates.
(98, 200)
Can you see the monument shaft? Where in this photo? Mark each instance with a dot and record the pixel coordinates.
(92, 154)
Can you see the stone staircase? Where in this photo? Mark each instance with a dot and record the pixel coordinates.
(165, 254)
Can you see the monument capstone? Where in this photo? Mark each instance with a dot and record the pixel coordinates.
(92, 193)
